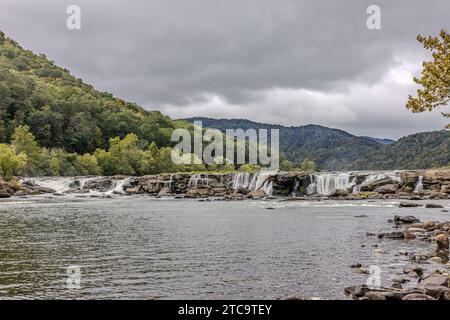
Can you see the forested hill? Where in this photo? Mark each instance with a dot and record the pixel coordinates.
(333, 149)
(62, 111)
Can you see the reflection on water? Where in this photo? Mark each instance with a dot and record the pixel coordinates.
(138, 247)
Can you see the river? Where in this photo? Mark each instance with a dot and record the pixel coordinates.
(139, 247)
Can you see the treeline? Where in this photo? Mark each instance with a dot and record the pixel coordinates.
(24, 157)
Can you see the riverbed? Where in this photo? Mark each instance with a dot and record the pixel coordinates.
(140, 247)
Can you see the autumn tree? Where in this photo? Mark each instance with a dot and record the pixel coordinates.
(435, 80)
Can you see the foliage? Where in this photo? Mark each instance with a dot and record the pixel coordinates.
(435, 80)
(10, 161)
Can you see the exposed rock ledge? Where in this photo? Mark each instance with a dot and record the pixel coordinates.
(408, 185)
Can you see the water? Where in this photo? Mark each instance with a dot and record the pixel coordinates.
(139, 247)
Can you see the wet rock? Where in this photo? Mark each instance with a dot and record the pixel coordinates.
(164, 192)
(241, 190)
(438, 195)
(406, 219)
(356, 291)
(398, 235)
(442, 242)
(339, 193)
(388, 188)
(409, 205)
(413, 271)
(408, 235)
(417, 296)
(374, 295)
(4, 194)
(437, 292)
(437, 278)
(433, 206)
(99, 184)
(258, 194)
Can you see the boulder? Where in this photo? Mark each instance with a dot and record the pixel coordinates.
(164, 191)
(257, 194)
(409, 205)
(387, 188)
(99, 184)
(406, 219)
(413, 271)
(241, 190)
(442, 242)
(433, 206)
(391, 235)
(339, 193)
(417, 296)
(437, 278)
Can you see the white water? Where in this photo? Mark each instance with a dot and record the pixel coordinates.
(419, 185)
(327, 183)
(253, 181)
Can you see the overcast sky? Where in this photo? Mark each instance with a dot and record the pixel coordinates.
(290, 62)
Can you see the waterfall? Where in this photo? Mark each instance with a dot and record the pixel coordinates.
(241, 179)
(253, 181)
(327, 183)
(119, 187)
(296, 185)
(168, 184)
(197, 179)
(419, 185)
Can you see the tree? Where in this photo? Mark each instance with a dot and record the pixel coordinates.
(435, 80)
(23, 141)
(10, 162)
(87, 165)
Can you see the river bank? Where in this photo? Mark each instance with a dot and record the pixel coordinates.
(408, 185)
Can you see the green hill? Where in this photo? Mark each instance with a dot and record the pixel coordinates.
(333, 149)
(62, 111)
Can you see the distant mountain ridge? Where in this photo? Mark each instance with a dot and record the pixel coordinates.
(335, 149)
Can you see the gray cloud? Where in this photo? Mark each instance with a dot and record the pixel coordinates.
(290, 62)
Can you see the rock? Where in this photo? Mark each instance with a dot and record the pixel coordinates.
(413, 271)
(241, 190)
(442, 242)
(436, 259)
(397, 285)
(4, 194)
(356, 291)
(378, 251)
(433, 206)
(257, 194)
(437, 278)
(445, 188)
(294, 298)
(406, 219)
(409, 205)
(417, 296)
(387, 188)
(99, 184)
(408, 235)
(398, 235)
(339, 193)
(362, 270)
(437, 195)
(437, 292)
(374, 295)
(164, 192)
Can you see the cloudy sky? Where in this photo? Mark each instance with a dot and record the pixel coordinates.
(290, 62)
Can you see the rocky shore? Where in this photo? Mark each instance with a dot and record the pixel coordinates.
(17, 188)
(417, 283)
(408, 185)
